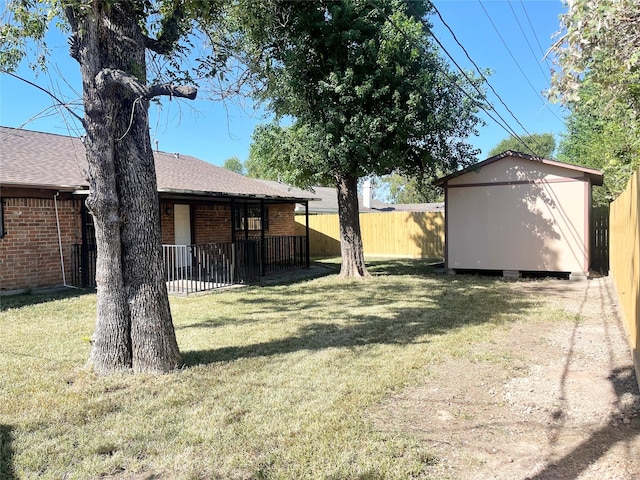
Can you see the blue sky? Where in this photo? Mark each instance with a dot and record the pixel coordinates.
(215, 131)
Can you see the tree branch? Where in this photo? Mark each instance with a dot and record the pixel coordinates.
(60, 102)
(109, 77)
(171, 31)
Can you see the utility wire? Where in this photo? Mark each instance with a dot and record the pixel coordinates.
(516, 61)
(535, 35)
(544, 74)
(486, 80)
(507, 128)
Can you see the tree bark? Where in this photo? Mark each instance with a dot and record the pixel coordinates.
(134, 329)
(353, 265)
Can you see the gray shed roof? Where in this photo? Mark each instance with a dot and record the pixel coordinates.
(45, 160)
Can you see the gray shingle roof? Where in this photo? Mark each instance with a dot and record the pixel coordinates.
(29, 158)
(328, 201)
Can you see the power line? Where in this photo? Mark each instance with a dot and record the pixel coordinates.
(535, 35)
(528, 43)
(505, 127)
(486, 80)
(514, 59)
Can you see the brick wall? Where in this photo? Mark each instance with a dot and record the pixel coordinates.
(29, 252)
(212, 223)
(281, 220)
(166, 223)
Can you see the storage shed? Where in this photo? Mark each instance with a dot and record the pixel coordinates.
(519, 213)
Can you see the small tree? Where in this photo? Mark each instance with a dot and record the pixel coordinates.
(369, 95)
(408, 190)
(234, 164)
(538, 144)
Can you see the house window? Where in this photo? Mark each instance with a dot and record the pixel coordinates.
(2, 232)
(253, 220)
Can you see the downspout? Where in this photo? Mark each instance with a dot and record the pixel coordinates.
(64, 277)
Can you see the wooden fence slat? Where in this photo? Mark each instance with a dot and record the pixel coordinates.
(401, 234)
(624, 251)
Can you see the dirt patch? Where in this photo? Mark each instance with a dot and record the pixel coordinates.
(542, 400)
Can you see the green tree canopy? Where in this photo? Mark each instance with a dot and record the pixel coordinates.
(234, 164)
(605, 142)
(599, 81)
(538, 144)
(599, 44)
(408, 190)
(369, 95)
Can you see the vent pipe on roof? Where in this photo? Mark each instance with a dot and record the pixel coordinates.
(157, 148)
(176, 155)
(367, 193)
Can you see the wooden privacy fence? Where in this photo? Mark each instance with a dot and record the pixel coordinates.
(401, 234)
(624, 249)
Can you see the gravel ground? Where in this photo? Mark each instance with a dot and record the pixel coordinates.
(563, 403)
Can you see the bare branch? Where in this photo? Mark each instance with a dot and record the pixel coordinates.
(60, 102)
(110, 76)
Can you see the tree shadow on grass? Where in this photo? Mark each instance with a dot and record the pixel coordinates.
(7, 471)
(8, 302)
(452, 304)
(404, 266)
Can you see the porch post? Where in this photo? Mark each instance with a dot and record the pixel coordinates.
(233, 221)
(233, 240)
(246, 221)
(306, 223)
(263, 245)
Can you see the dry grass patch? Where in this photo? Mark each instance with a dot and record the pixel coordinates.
(276, 384)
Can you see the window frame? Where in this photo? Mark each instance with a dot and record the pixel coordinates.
(254, 216)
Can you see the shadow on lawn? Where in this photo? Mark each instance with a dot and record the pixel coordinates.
(435, 308)
(7, 471)
(27, 299)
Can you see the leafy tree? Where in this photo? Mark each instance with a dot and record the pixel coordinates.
(112, 41)
(368, 94)
(541, 145)
(599, 81)
(234, 164)
(408, 190)
(277, 152)
(603, 142)
(601, 38)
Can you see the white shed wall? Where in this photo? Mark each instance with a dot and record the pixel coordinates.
(496, 222)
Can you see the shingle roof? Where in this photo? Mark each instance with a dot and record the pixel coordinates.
(595, 175)
(37, 159)
(327, 198)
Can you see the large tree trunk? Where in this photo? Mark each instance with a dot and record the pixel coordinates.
(133, 327)
(353, 265)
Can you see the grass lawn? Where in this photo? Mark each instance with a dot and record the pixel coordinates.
(277, 383)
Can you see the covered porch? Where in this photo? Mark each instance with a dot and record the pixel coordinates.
(214, 241)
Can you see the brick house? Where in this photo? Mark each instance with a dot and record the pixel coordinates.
(218, 227)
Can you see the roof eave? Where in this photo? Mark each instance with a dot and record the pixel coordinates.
(42, 186)
(255, 196)
(595, 175)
